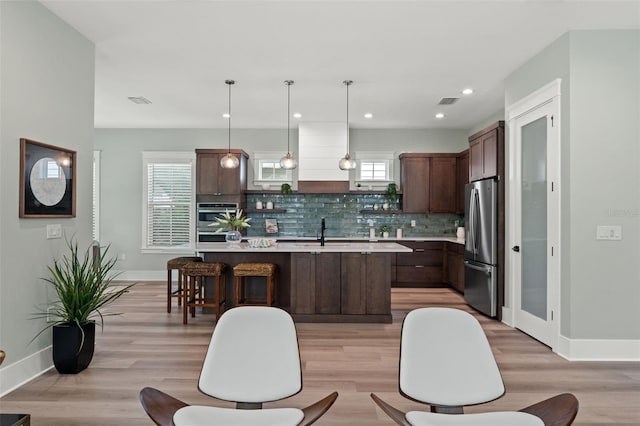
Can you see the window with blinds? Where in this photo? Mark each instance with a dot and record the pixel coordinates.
(95, 216)
(168, 204)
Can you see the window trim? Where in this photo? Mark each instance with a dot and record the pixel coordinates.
(168, 156)
(262, 156)
(96, 196)
(372, 156)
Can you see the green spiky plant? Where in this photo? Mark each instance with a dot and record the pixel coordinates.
(82, 285)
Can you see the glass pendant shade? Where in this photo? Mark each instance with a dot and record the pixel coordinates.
(288, 162)
(347, 163)
(229, 161)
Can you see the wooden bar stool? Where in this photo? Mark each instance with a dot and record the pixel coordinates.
(177, 263)
(243, 270)
(193, 275)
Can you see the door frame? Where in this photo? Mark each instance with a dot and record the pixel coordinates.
(545, 95)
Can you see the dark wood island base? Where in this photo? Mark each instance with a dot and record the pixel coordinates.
(350, 285)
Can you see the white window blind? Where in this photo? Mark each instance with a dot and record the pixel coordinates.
(95, 217)
(168, 204)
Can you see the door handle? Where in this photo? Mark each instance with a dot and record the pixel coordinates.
(516, 249)
(477, 268)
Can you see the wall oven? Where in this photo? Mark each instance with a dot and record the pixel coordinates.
(207, 214)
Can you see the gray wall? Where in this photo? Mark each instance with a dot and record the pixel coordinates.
(121, 171)
(600, 71)
(47, 80)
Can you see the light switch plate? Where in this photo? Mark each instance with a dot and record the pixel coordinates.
(609, 232)
(54, 231)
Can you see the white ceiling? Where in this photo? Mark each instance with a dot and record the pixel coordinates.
(404, 56)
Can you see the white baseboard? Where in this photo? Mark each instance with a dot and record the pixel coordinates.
(142, 276)
(17, 374)
(598, 349)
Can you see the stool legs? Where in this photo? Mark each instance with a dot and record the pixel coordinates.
(194, 295)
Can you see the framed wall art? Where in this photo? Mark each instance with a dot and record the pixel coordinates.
(47, 180)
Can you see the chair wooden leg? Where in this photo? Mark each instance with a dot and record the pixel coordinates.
(560, 410)
(185, 298)
(168, 291)
(159, 406)
(395, 414)
(180, 288)
(315, 411)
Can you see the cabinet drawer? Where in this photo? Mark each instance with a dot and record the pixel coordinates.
(423, 258)
(419, 274)
(422, 245)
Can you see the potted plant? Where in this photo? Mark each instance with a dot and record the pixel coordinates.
(82, 285)
(285, 189)
(232, 223)
(391, 194)
(384, 230)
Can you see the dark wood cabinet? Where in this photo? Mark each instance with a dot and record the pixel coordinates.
(442, 185)
(421, 268)
(341, 284)
(485, 152)
(462, 178)
(455, 266)
(213, 180)
(415, 182)
(366, 280)
(428, 183)
(317, 283)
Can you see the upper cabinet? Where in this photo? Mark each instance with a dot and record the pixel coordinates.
(215, 181)
(428, 183)
(486, 152)
(462, 178)
(415, 182)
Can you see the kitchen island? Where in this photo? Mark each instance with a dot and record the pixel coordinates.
(338, 282)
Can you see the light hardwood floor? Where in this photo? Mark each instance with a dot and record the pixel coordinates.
(148, 347)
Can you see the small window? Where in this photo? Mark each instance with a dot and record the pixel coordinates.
(377, 170)
(270, 170)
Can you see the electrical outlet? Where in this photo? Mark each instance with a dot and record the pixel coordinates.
(608, 232)
(413, 223)
(54, 231)
(122, 256)
(49, 309)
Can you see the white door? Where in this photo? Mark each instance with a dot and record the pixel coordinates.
(535, 223)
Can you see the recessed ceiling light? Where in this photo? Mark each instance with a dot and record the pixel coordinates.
(467, 91)
(226, 115)
(297, 115)
(439, 115)
(368, 115)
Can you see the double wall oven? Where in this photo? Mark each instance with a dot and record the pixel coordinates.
(207, 213)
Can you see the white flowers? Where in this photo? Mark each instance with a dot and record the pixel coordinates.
(231, 222)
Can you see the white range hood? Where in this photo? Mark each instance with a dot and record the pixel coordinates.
(320, 148)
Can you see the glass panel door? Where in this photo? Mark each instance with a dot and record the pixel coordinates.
(534, 218)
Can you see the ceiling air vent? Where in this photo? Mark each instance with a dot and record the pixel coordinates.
(139, 100)
(448, 101)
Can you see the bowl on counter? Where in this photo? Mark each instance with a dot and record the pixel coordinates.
(261, 242)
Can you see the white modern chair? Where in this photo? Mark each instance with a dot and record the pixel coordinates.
(446, 362)
(252, 358)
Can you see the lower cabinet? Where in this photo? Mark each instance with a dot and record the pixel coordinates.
(315, 283)
(455, 266)
(341, 283)
(421, 268)
(366, 282)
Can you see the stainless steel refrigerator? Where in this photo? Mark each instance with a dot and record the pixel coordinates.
(481, 246)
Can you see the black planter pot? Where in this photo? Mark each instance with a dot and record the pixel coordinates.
(68, 356)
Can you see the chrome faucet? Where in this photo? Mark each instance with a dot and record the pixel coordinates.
(323, 227)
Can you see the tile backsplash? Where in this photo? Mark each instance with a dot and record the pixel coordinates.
(343, 216)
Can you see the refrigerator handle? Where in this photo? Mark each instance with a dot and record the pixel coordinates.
(476, 219)
(470, 232)
(477, 268)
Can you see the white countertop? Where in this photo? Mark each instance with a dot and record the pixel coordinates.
(310, 247)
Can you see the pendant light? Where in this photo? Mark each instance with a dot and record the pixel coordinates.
(229, 161)
(347, 163)
(288, 162)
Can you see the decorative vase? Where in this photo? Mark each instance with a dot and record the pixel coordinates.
(72, 353)
(385, 234)
(233, 237)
